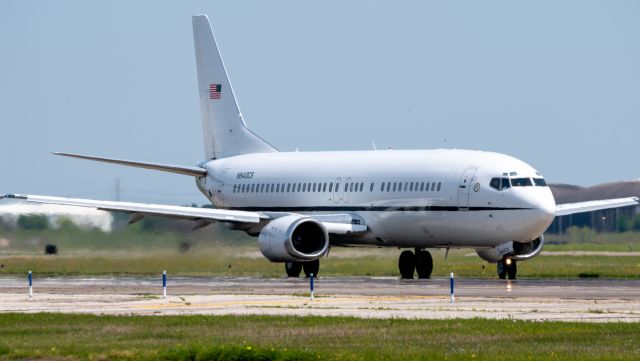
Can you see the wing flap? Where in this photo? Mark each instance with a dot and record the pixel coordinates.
(571, 208)
(190, 213)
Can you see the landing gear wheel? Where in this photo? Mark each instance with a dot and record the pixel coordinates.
(424, 264)
(512, 269)
(293, 269)
(507, 267)
(311, 267)
(502, 270)
(407, 264)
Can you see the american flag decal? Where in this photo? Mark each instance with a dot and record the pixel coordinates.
(215, 91)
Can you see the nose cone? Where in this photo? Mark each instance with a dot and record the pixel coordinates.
(540, 200)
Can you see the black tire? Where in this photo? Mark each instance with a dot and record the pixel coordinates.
(407, 264)
(502, 269)
(424, 264)
(293, 269)
(512, 269)
(311, 267)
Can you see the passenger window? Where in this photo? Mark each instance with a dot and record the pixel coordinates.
(388, 186)
(406, 186)
(331, 187)
(439, 186)
(253, 188)
(433, 186)
(382, 187)
(273, 186)
(427, 188)
(371, 188)
(314, 187)
(299, 187)
(421, 186)
(324, 187)
(337, 187)
(395, 184)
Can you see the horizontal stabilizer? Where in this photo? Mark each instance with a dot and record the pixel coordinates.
(590, 206)
(192, 171)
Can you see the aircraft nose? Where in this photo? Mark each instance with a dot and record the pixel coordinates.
(545, 210)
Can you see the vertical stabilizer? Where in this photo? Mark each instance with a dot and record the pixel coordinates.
(225, 132)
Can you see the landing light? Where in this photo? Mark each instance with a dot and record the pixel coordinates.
(508, 261)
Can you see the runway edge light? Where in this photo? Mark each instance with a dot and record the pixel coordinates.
(30, 284)
(164, 284)
(311, 285)
(452, 295)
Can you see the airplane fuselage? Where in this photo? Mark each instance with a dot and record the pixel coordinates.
(407, 198)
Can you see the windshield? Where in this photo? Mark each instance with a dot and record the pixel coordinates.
(521, 182)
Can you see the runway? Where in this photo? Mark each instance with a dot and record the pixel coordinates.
(540, 300)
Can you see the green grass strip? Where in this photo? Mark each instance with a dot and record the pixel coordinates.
(83, 337)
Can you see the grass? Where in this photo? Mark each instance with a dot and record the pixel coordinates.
(70, 337)
(131, 252)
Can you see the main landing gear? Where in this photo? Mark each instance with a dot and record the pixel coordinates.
(294, 268)
(507, 267)
(420, 262)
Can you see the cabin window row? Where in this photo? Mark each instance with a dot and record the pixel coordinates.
(295, 187)
(335, 187)
(410, 186)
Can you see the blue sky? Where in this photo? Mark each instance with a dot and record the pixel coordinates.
(556, 84)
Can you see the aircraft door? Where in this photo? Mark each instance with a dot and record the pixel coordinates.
(335, 194)
(345, 193)
(464, 187)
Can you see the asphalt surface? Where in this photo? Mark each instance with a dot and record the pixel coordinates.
(567, 300)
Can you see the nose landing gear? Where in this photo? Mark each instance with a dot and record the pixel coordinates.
(420, 262)
(507, 267)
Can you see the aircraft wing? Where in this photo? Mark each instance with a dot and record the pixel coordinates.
(571, 208)
(142, 209)
(335, 224)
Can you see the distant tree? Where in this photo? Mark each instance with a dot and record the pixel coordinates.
(580, 234)
(5, 225)
(67, 224)
(636, 223)
(150, 224)
(33, 221)
(625, 224)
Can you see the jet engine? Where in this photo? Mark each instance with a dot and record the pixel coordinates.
(293, 239)
(514, 250)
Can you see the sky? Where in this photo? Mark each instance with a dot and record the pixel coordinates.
(556, 84)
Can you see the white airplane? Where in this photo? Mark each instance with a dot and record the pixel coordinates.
(300, 204)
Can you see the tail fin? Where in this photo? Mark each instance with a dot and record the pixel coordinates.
(225, 132)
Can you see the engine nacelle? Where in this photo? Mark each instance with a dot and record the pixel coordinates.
(293, 239)
(513, 250)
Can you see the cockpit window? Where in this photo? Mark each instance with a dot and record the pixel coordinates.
(521, 182)
(500, 183)
(540, 182)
